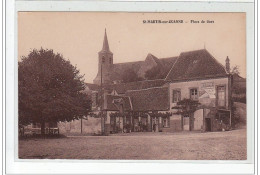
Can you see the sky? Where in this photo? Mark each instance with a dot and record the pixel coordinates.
(78, 36)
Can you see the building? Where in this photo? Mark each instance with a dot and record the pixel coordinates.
(150, 105)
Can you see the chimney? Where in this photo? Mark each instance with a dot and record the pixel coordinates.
(227, 65)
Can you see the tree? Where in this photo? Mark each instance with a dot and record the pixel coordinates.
(186, 108)
(235, 70)
(130, 75)
(50, 89)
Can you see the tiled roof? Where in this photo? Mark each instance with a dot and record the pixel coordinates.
(168, 63)
(152, 99)
(138, 85)
(140, 67)
(111, 104)
(119, 69)
(195, 64)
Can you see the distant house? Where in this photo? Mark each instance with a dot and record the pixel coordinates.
(148, 105)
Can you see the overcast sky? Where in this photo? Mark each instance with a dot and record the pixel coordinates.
(78, 36)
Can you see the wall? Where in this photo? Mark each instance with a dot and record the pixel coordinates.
(206, 90)
(175, 124)
(198, 120)
(90, 126)
(186, 123)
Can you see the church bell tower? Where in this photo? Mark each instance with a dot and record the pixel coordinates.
(105, 63)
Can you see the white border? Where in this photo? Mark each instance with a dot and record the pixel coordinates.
(129, 167)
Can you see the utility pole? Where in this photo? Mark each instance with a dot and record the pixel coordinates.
(102, 118)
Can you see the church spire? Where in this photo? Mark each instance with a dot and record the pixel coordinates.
(105, 43)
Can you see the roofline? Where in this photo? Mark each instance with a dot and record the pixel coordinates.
(172, 67)
(168, 57)
(200, 78)
(118, 95)
(145, 58)
(147, 89)
(136, 82)
(185, 52)
(217, 61)
(195, 51)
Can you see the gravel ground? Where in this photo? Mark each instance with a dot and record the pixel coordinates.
(230, 145)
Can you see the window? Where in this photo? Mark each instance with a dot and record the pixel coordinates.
(176, 96)
(166, 122)
(110, 60)
(221, 96)
(194, 94)
(103, 59)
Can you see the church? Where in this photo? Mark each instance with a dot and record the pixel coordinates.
(152, 105)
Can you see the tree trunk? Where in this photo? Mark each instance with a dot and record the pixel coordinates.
(81, 125)
(43, 128)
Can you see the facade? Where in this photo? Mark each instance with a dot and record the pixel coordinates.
(150, 105)
(197, 75)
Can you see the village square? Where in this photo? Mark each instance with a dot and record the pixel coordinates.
(185, 107)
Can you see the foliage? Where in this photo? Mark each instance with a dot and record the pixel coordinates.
(155, 72)
(160, 114)
(234, 118)
(130, 75)
(238, 86)
(118, 114)
(235, 70)
(239, 98)
(186, 107)
(238, 114)
(50, 89)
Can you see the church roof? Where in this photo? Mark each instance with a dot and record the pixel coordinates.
(140, 67)
(195, 64)
(152, 99)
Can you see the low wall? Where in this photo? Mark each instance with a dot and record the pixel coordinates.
(89, 127)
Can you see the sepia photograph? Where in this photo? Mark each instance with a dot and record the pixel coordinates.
(132, 86)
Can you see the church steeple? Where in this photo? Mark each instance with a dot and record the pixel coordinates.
(105, 43)
(105, 63)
